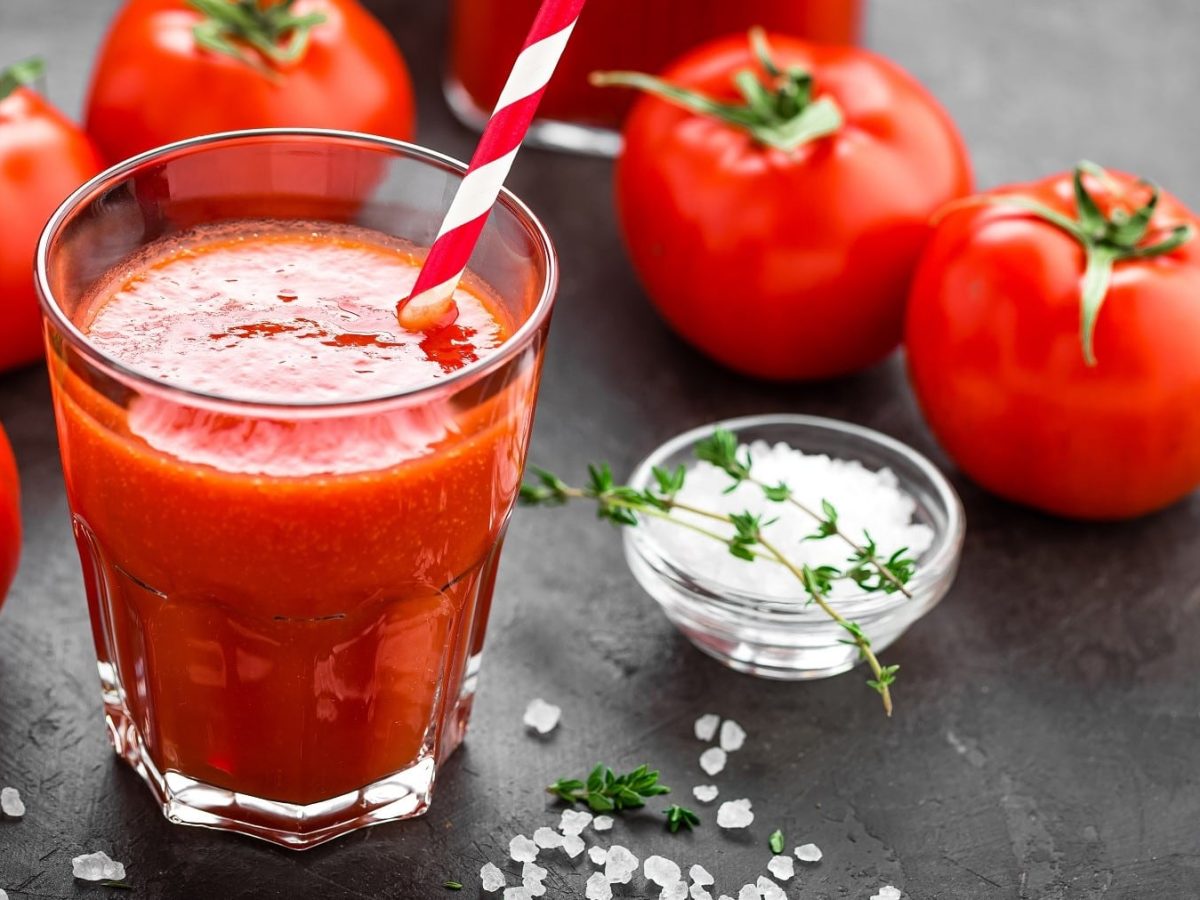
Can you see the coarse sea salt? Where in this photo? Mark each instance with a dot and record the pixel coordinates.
(573, 845)
(782, 867)
(887, 892)
(490, 877)
(712, 760)
(547, 838)
(597, 855)
(619, 865)
(866, 500)
(598, 887)
(517, 893)
(676, 890)
(603, 823)
(3, 894)
(541, 716)
(699, 892)
(734, 814)
(706, 727)
(769, 889)
(749, 892)
(809, 853)
(660, 870)
(733, 736)
(522, 849)
(97, 867)
(700, 875)
(11, 803)
(705, 793)
(573, 821)
(533, 871)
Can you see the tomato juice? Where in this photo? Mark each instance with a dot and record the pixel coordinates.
(289, 587)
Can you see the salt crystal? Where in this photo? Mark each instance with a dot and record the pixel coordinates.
(676, 890)
(809, 853)
(522, 849)
(598, 887)
(574, 821)
(712, 760)
(706, 726)
(699, 892)
(864, 499)
(597, 855)
(572, 845)
(781, 867)
(541, 716)
(749, 892)
(619, 865)
(603, 823)
(3, 894)
(700, 875)
(733, 736)
(517, 893)
(10, 802)
(97, 867)
(887, 892)
(533, 887)
(724, 897)
(547, 838)
(491, 877)
(660, 870)
(532, 870)
(769, 889)
(734, 814)
(705, 793)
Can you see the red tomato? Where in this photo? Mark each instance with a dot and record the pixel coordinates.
(168, 71)
(43, 157)
(10, 516)
(999, 350)
(785, 261)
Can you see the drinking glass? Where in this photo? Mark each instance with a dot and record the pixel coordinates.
(288, 599)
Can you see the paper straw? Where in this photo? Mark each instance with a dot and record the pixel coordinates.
(431, 306)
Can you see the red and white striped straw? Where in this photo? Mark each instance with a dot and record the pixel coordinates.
(431, 306)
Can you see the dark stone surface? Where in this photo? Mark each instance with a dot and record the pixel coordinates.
(1048, 723)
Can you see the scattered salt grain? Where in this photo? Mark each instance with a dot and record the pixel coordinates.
(676, 890)
(724, 897)
(598, 887)
(706, 727)
(597, 855)
(809, 853)
(574, 821)
(712, 760)
(781, 867)
(517, 893)
(541, 716)
(734, 814)
(491, 878)
(705, 793)
(10, 802)
(522, 849)
(864, 499)
(547, 838)
(733, 736)
(533, 887)
(619, 865)
(700, 875)
(97, 867)
(532, 870)
(660, 870)
(603, 823)
(769, 889)
(573, 845)
(699, 892)
(887, 892)
(749, 892)
(3, 894)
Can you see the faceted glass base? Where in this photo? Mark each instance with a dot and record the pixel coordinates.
(186, 801)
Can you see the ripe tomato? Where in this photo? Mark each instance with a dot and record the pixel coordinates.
(43, 157)
(778, 231)
(1037, 391)
(174, 69)
(10, 516)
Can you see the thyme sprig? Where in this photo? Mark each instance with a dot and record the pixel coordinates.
(680, 817)
(623, 505)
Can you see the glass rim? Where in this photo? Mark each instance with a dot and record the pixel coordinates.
(132, 377)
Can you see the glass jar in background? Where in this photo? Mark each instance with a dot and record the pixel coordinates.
(640, 35)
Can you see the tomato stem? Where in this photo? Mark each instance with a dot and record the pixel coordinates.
(780, 112)
(20, 74)
(1106, 240)
(236, 28)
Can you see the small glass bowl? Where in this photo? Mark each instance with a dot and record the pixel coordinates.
(789, 639)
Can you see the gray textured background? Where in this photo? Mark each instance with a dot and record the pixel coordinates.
(1048, 728)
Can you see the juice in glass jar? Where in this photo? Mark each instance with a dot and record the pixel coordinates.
(288, 509)
(639, 35)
